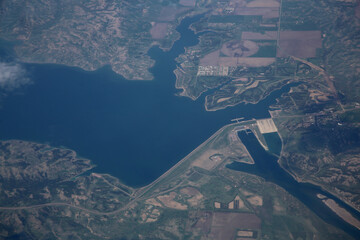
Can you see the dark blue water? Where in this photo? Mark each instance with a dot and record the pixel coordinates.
(134, 130)
(266, 166)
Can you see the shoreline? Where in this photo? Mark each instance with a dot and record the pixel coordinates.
(341, 212)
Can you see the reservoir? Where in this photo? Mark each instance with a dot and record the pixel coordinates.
(133, 130)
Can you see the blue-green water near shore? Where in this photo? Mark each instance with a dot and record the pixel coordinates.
(134, 130)
(273, 142)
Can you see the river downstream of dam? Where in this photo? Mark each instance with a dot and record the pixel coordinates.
(267, 167)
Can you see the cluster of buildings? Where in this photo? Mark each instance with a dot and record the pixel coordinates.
(213, 71)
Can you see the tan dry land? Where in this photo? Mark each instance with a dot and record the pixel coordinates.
(242, 87)
(245, 233)
(223, 99)
(266, 125)
(153, 201)
(256, 200)
(301, 44)
(237, 48)
(168, 201)
(341, 212)
(195, 196)
(211, 59)
(265, 12)
(204, 161)
(169, 13)
(268, 35)
(237, 2)
(237, 54)
(263, 3)
(245, 61)
(188, 3)
(318, 96)
(159, 30)
(225, 224)
(241, 202)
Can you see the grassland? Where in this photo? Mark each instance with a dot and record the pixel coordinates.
(197, 198)
(322, 149)
(92, 34)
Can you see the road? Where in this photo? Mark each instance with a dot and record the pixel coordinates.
(137, 196)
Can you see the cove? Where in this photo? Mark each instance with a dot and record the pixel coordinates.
(134, 130)
(267, 167)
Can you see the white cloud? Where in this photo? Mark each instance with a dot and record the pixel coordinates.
(12, 75)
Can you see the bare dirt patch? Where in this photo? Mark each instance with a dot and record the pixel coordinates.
(245, 233)
(149, 220)
(318, 96)
(207, 162)
(245, 193)
(301, 44)
(223, 99)
(195, 196)
(153, 201)
(149, 214)
(159, 30)
(211, 59)
(168, 201)
(278, 207)
(341, 212)
(256, 200)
